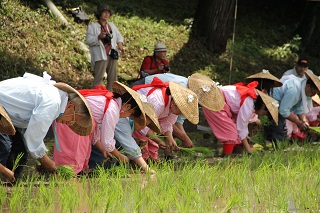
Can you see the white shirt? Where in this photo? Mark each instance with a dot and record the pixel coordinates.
(32, 103)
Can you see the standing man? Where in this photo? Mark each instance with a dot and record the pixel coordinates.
(104, 40)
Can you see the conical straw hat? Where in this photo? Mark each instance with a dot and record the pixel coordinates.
(210, 96)
(6, 126)
(82, 127)
(314, 78)
(186, 100)
(271, 104)
(149, 109)
(120, 88)
(265, 74)
(316, 99)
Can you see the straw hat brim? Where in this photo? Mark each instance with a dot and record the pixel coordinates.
(6, 126)
(270, 104)
(316, 99)
(81, 127)
(209, 95)
(186, 100)
(314, 78)
(149, 110)
(120, 88)
(262, 75)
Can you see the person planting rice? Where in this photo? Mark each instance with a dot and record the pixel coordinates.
(178, 129)
(169, 101)
(230, 124)
(107, 108)
(33, 103)
(292, 98)
(6, 128)
(123, 136)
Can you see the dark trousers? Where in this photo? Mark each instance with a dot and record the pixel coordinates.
(275, 132)
(10, 148)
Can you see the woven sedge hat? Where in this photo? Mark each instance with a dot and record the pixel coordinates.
(271, 104)
(209, 95)
(314, 78)
(316, 99)
(186, 100)
(265, 74)
(120, 88)
(149, 110)
(82, 127)
(6, 126)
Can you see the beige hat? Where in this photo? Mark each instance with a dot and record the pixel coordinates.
(149, 109)
(210, 96)
(6, 126)
(314, 78)
(82, 127)
(316, 99)
(186, 100)
(120, 88)
(160, 47)
(271, 104)
(265, 74)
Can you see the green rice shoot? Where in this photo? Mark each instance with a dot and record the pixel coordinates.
(16, 161)
(315, 129)
(194, 150)
(66, 172)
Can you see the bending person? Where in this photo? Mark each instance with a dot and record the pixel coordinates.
(33, 103)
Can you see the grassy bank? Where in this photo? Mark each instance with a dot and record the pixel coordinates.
(33, 40)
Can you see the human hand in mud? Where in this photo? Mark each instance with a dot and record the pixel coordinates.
(140, 142)
(303, 126)
(48, 164)
(106, 154)
(7, 173)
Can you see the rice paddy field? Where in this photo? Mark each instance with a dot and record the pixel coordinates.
(282, 180)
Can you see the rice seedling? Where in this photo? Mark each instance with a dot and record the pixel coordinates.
(16, 161)
(66, 172)
(197, 149)
(315, 129)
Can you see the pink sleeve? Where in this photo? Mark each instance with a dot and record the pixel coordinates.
(313, 113)
(245, 113)
(253, 118)
(110, 119)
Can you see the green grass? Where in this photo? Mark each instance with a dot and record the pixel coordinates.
(279, 181)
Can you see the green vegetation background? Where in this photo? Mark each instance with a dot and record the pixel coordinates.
(33, 40)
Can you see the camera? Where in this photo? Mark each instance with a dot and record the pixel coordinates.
(166, 68)
(107, 39)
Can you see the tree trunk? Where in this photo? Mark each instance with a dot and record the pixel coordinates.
(213, 23)
(309, 29)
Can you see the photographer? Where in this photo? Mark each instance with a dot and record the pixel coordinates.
(155, 64)
(104, 40)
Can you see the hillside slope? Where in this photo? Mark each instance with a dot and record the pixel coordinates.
(33, 40)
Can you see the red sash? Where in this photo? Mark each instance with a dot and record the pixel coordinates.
(156, 83)
(246, 90)
(98, 90)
